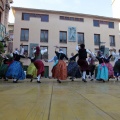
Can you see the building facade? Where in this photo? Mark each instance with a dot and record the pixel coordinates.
(4, 14)
(48, 28)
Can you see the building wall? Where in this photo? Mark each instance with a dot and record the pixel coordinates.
(54, 26)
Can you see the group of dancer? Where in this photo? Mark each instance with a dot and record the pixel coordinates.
(83, 66)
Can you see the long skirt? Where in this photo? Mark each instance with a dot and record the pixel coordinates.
(110, 69)
(83, 64)
(73, 70)
(31, 71)
(60, 71)
(40, 67)
(3, 70)
(102, 72)
(15, 71)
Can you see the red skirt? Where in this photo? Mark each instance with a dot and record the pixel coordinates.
(40, 67)
(83, 64)
(60, 71)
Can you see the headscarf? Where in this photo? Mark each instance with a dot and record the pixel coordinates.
(37, 50)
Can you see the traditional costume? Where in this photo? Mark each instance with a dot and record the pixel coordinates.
(82, 53)
(73, 69)
(15, 70)
(102, 70)
(116, 68)
(60, 70)
(109, 66)
(31, 70)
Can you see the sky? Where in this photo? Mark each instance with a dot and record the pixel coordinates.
(94, 7)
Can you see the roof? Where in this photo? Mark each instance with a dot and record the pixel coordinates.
(63, 13)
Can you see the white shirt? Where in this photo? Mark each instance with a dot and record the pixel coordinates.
(22, 51)
(116, 56)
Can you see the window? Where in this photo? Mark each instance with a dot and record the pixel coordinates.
(96, 23)
(63, 37)
(44, 36)
(25, 16)
(25, 49)
(96, 39)
(44, 18)
(64, 50)
(112, 40)
(45, 55)
(24, 35)
(80, 38)
(111, 24)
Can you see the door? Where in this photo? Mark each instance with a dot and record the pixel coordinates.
(46, 73)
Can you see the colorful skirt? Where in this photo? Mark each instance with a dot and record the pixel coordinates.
(15, 71)
(3, 70)
(83, 64)
(110, 69)
(40, 67)
(31, 71)
(73, 70)
(102, 72)
(60, 71)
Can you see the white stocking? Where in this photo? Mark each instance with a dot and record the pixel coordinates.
(39, 77)
(84, 74)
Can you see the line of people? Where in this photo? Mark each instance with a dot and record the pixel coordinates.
(12, 67)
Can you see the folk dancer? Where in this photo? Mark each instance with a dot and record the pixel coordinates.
(73, 68)
(82, 53)
(102, 70)
(60, 70)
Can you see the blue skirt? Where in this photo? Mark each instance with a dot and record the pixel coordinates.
(73, 70)
(102, 73)
(15, 71)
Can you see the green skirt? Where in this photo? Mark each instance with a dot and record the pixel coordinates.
(3, 70)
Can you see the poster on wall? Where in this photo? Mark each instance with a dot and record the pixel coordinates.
(2, 32)
(72, 34)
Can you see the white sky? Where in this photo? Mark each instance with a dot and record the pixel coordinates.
(95, 7)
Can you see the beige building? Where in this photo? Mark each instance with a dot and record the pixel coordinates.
(48, 28)
(4, 14)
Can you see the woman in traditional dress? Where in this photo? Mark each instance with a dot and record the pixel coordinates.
(102, 70)
(109, 66)
(73, 69)
(31, 70)
(7, 60)
(116, 68)
(15, 70)
(60, 70)
(38, 63)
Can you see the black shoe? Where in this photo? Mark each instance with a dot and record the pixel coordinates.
(38, 82)
(58, 81)
(72, 80)
(91, 79)
(84, 80)
(15, 81)
(103, 81)
(31, 80)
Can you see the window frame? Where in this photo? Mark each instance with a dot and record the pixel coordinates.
(45, 32)
(24, 49)
(78, 39)
(112, 44)
(112, 27)
(45, 56)
(62, 41)
(98, 43)
(97, 23)
(24, 34)
(63, 48)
